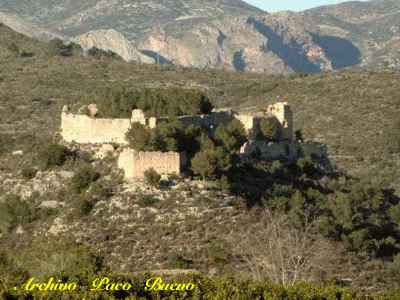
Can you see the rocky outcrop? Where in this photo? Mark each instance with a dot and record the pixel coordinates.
(113, 41)
(227, 34)
(263, 45)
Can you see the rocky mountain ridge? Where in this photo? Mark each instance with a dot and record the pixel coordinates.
(225, 34)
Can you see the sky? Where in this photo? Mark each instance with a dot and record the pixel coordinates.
(296, 5)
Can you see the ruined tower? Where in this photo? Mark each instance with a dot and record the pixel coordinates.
(284, 115)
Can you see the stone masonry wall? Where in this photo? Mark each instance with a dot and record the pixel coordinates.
(136, 163)
(86, 130)
(285, 150)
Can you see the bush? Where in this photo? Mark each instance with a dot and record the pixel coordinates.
(147, 200)
(14, 212)
(53, 155)
(177, 260)
(83, 178)
(85, 206)
(232, 136)
(6, 141)
(58, 48)
(152, 177)
(119, 102)
(28, 172)
(100, 53)
(204, 164)
(139, 137)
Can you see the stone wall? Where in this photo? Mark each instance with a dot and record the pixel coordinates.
(247, 121)
(291, 151)
(85, 130)
(284, 115)
(136, 163)
(90, 130)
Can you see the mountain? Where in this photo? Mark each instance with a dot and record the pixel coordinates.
(372, 27)
(226, 34)
(27, 28)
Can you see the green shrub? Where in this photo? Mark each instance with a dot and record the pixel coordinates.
(6, 142)
(58, 48)
(100, 53)
(139, 137)
(28, 172)
(147, 200)
(204, 164)
(177, 260)
(14, 212)
(231, 136)
(53, 155)
(85, 206)
(83, 178)
(119, 102)
(152, 177)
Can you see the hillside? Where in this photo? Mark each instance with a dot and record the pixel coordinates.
(136, 227)
(228, 35)
(353, 111)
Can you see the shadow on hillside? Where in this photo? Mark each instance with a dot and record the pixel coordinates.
(158, 58)
(290, 52)
(238, 61)
(257, 178)
(340, 51)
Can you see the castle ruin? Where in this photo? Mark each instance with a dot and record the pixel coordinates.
(87, 129)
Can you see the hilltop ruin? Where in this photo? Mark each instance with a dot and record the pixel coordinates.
(88, 129)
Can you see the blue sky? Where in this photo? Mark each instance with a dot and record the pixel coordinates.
(296, 5)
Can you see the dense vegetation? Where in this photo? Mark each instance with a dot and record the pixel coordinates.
(119, 103)
(354, 113)
(211, 153)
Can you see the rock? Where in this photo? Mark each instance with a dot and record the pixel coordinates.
(50, 204)
(66, 174)
(112, 40)
(19, 230)
(92, 108)
(57, 227)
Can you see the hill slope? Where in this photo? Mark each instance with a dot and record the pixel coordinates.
(352, 112)
(228, 34)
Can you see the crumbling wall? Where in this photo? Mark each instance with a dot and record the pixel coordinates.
(135, 164)
(284, 114)
(283, 150)
(85, 130)
(247, 121)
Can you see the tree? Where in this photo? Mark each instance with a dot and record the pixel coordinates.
(272, 248)
(100, 53)
(83, 178)
(204, 165)
(299, 135)
(139, 137)
(222, 157)
(53, 155)
(231, 136)
(170, 136)
(57, 47)
(152, 177)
